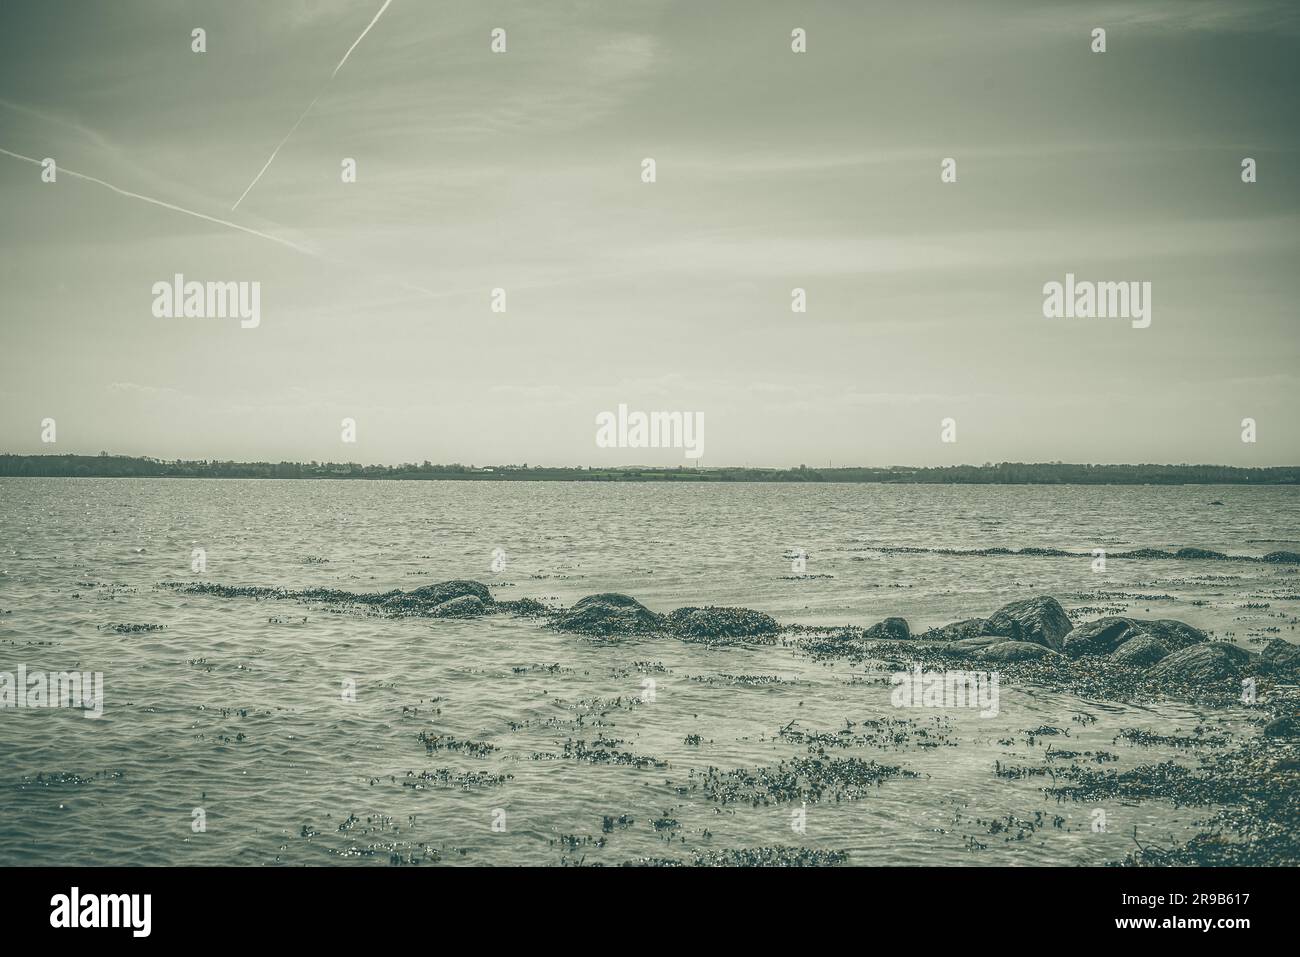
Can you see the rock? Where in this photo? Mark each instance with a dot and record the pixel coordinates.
(1282, 656)
(609, 614)
(1199, 553)
(1140, 650)
(446, 591)
(1287, 726)
(1282, 558)
(1100, 637)
(714, 622)
(1016, 651)
(978, 642)
(1173, 634)
(970, 628)
(1040, 619)
(891, 629)
(466, 606)
(1209, 661)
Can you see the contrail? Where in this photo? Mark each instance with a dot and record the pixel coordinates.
(220, 222)
(165, 205)
(360, 38)
(297, 122)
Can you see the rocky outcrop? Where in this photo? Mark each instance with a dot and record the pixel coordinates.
(891, 629)
(1041, 620)
(1100, 637)
(721, 623)
(1141, 651)
(1107, 636)
(1003, 650)
(1209, 661)
(609, 615)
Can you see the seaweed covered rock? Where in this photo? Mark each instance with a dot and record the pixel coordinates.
(1210, 661)
(1282, 558)
(465, 606)
(1287, 726)
(1174, 635)
(1199, 553)
(1141, 650)
(609, 614)
(446, 591)
(891, 629)
(1016, 651)
(1282, 656)
(721, 623)
(1099, 637)
(969, 628)
(1040, 619)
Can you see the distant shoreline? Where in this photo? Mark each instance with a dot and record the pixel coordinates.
(1006, 473)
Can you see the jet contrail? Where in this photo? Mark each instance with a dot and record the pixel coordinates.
(360, 38)
(274, 152)
(165, 205)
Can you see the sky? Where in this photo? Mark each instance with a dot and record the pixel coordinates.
(774, 170)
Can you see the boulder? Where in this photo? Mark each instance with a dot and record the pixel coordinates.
(1282, 656)
(608, 614)
(1209, 661)
(970, 628)
(446, 591)
(1174, 635)
(1140, 650)
(1100, 637)
(1040, 619)
(466, 606)
(714, 622)
(891, 629)
(1016, 651)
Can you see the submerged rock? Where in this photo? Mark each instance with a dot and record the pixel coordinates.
(714, 622)
(1211, 661)
(1003, 650)
(446, 591)
(466, 606)
(609, 614)
(1140, 650)
(891, 629)
(1040, 619)
(1100, 637)
(969, 628)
